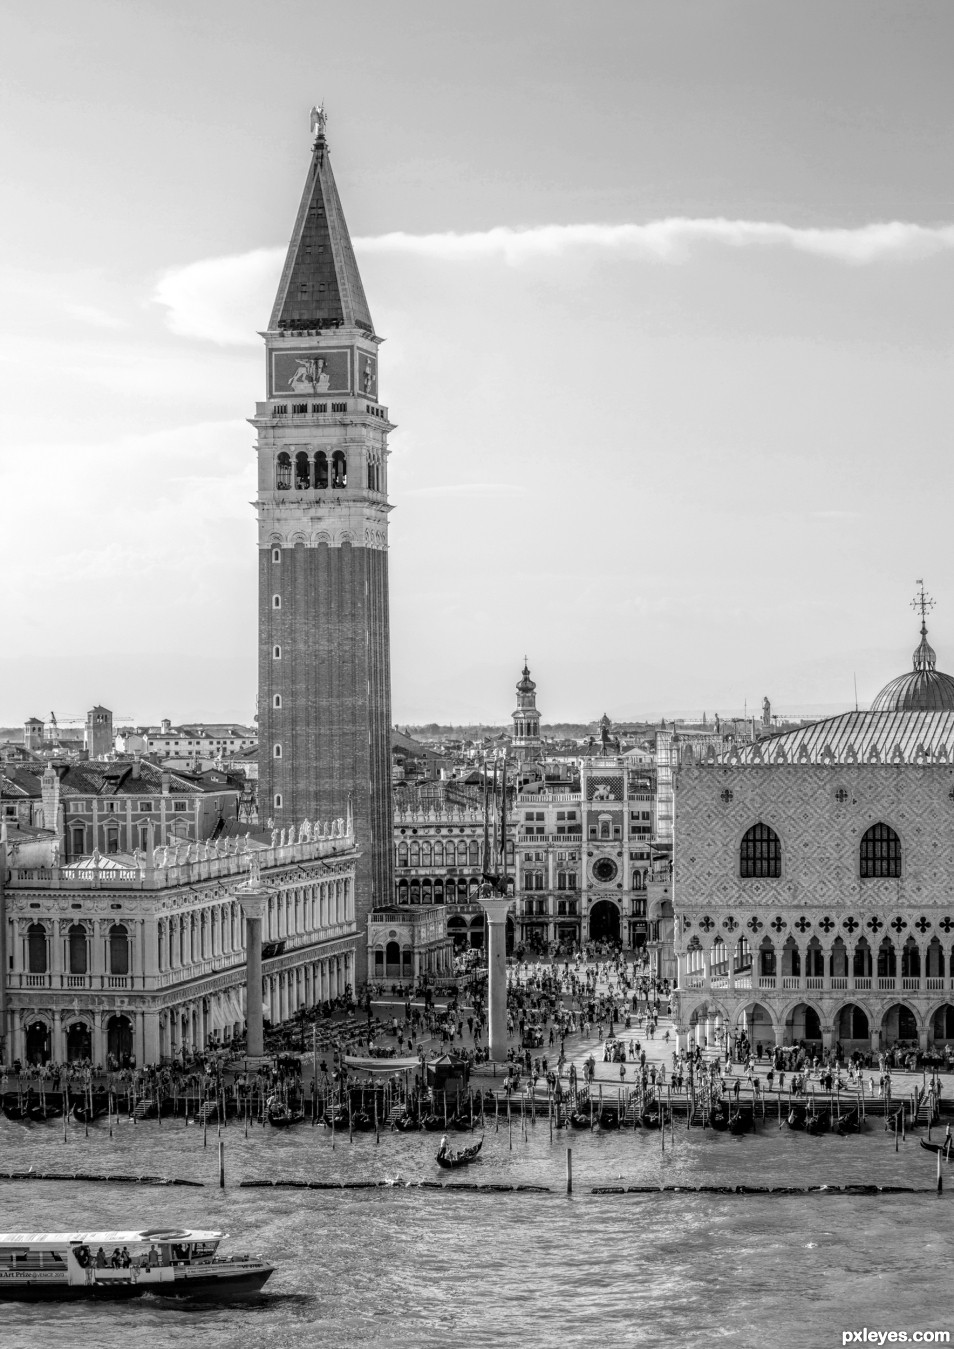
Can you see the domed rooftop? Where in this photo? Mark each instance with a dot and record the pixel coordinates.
(925, 689)
(526, 684)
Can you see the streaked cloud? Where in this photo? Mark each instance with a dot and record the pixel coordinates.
(228, 299)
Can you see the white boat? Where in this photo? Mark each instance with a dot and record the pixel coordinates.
(167, 1261)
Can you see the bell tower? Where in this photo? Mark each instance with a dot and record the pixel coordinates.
(526, 717)
(324, 646)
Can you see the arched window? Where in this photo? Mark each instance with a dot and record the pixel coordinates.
(276, 555)
(283, 472)
(339, 469)
(277, 801)
(880, 853)
(474, 852)
(276, 653)
(402, 855)
(36, 949)
(118, 949)
(277, 751)
(438, 853)
(276, 601)
(426, 853)
(415, 854)
(321, 469)
(302, 471)
(277, 701)
(78, 962)
(760, 854)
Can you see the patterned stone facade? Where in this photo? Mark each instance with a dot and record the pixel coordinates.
(819, 952)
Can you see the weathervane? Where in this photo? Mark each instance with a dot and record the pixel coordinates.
(922, 601)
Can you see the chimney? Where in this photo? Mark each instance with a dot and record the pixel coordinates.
(166, 783)
(136, 771)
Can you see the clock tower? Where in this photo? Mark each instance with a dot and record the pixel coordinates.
(324, 649)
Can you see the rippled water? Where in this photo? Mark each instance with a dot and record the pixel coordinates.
(411, 1267)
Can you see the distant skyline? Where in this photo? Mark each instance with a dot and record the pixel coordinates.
(668, 306)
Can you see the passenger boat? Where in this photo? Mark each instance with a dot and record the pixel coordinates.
(947, 1147)
(169, 1262)
(449, 1160)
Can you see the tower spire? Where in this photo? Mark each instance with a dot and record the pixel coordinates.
(924, 656)
(320, 286)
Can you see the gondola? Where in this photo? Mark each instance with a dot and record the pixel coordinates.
(947, 1147)
(449, 1160)
(362, 1122)
(83, 1114)
(818, 1123)
(406, 1123)
(434, 1125)
(608, 1119)
(650, 1119)
(463, 1123)
(796, 1117)
(337, 1118)
(850, 1122)
(17, 1108)
(282, 1117)
(719, 1119)
(40, 1113)
(579, 1120)
(740, 1123)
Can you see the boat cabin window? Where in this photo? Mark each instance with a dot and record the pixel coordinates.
(201, 1250)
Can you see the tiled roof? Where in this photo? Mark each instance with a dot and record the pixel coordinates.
(103, 778)
(911, 732)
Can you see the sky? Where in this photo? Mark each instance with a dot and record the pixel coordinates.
(668, 294)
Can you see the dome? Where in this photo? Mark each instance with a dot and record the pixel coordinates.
(925, 689)
(526, 684)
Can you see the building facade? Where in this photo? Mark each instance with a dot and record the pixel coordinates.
(144, 956)
(324, 660)
(812, 876)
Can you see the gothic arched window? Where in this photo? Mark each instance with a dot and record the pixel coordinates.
(402, 855)
(339, 469)
(283, 472)
(302, 471)
(760, 853)
(321, 469)
(880, 853)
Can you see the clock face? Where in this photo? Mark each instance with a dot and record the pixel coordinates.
(605, 869)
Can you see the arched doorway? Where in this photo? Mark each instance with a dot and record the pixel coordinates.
(477, 933)
(38, 1042)
(756, 1022)
(119, 1039)
(392, 960)
(899, 1024)
(511, 935)
(604, 921)
(942, 1024)
(852, 1028)
(803, 1023)
(79, 1042)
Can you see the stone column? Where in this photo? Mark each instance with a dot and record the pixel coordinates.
(496, 910)
(253, 897)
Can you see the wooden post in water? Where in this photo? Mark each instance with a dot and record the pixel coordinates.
(221, 1164)
(510, 1123)
(940, 1178)
(569, 1171)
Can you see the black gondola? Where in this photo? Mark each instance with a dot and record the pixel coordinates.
(282, 1117)
(719, 1119)
(40, 1113)
(740, 1123)
(608, 1119)
(449, 1160)
(83, 1114)
(17, 1109)
(819, 1123)
(650, 1119)
(947, 1147)
(406, 1123)
(796, 1117)
(362, 1121)
(434, 1125)
(580, 1120)
(337, 1118)
(850, 1122)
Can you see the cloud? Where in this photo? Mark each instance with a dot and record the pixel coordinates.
(91, 313)
(671, 240)
(227, 300)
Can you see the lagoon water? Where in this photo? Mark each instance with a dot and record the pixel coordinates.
(409, 1267)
